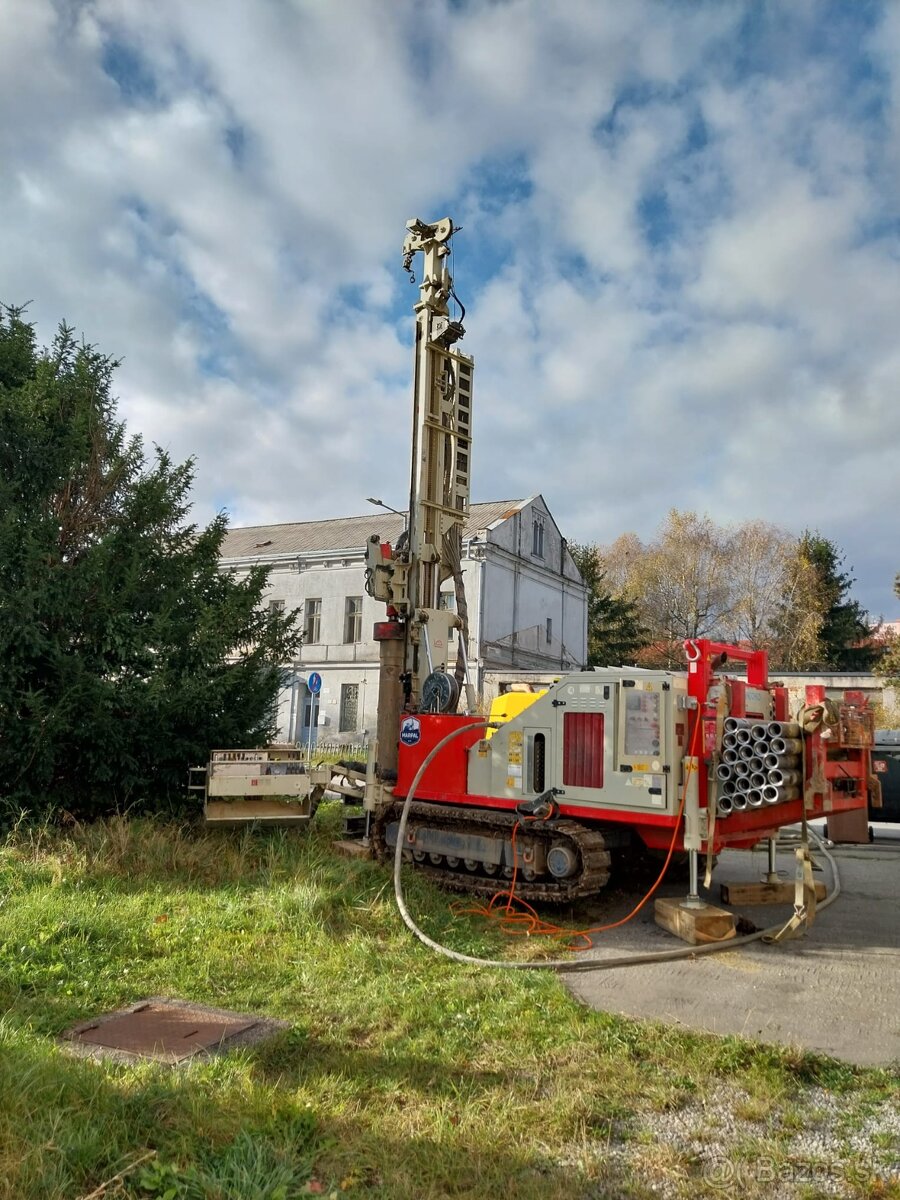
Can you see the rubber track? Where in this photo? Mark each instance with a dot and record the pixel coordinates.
(589, 843)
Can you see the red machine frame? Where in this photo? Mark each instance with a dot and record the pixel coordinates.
(827, 759)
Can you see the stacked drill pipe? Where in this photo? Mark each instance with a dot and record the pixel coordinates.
(760, 764)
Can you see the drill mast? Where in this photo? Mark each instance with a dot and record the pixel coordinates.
(408, 576)
(441, 437)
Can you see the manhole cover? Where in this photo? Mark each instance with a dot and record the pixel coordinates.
(167, 1030)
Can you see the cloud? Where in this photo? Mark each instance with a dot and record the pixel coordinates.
(679, 255)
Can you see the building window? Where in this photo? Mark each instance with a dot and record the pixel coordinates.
(537, 539)
(549, 630)
(276, 606)
(353, 619)
(447, 603)
(310, 712)
(312, 622)
(349, 708)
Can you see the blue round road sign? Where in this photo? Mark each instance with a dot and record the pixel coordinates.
(314, 683)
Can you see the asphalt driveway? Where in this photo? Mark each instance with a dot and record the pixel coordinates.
(836, 990)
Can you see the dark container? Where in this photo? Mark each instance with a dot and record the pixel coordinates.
(887, 750)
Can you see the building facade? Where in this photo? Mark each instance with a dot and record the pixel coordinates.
(527, 606)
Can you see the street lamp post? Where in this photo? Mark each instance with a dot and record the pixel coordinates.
(381, 504)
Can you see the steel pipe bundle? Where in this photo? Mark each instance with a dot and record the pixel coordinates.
(777, 795)
(783, 729)
(761, 764)
(732, 724)
(784, 778)
(782, 745)
(782, 762)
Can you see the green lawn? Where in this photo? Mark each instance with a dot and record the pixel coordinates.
(402, 1075)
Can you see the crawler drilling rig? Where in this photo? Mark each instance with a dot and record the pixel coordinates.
(610, 761)
(607, 762)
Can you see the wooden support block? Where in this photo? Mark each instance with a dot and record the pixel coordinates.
(763, 893)
(353, 848)
(705, 923)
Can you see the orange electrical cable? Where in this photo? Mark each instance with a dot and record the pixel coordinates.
(529, 923)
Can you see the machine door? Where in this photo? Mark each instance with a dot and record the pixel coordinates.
(642, 728)
(584, 744)
(612, 743)
(643, 742)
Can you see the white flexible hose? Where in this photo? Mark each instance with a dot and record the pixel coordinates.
(593, 964)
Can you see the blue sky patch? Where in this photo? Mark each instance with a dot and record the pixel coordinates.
(132, 73)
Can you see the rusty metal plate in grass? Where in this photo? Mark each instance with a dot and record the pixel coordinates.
(167, 1031)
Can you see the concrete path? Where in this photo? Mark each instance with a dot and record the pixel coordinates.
(836, 991)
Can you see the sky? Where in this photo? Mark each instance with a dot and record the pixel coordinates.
(679, 253)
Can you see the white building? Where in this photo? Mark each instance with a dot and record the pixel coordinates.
(527, 605)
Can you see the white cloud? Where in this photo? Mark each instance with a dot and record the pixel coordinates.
(680, 252)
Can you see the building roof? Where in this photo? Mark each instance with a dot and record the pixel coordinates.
(346, 533)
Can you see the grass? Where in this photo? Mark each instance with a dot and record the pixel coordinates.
(401, 1075)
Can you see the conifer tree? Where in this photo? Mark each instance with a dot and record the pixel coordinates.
(615, 633)
(890, 664)
(843, 639)
(125, 653)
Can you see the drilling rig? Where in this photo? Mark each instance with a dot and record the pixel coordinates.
(607, 762)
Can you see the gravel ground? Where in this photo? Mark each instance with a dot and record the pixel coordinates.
(723, 1145)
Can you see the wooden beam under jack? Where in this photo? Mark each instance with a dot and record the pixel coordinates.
(781, 892)
(694, 923)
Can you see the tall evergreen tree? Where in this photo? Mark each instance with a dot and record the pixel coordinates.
(615, 633)
(125, 653)
(845, 640)
(890, 664)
